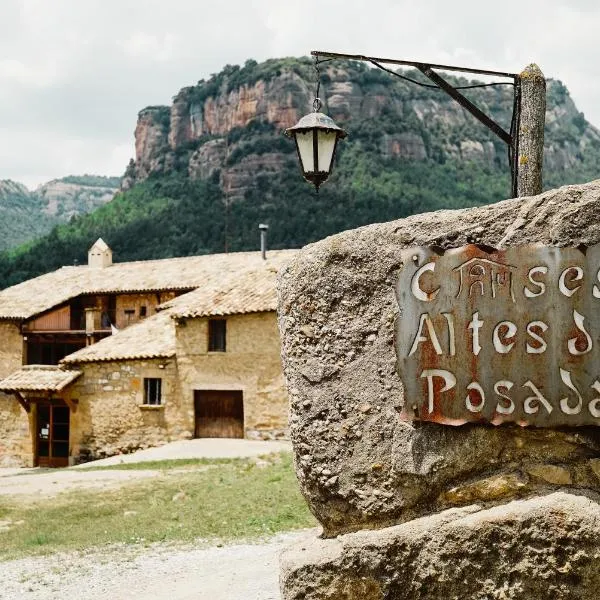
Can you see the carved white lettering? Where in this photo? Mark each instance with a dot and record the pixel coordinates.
(576, 274)
(540, 284)
(564, 402)
(475, 406)
(415, 284)
(451, 339)
(475, 325)
(449, 383)
(532, 403)
(426, 320)
(541, 345)
(506, 386)
(500, 337)
(572, 344)
(594, 405)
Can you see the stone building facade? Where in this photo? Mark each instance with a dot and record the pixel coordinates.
(157, 378)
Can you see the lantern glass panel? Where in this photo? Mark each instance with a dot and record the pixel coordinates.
(326, 144)
(304, 141)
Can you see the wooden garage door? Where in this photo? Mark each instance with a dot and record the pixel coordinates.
(219, 414)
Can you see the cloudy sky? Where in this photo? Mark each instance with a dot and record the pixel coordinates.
(74, 73)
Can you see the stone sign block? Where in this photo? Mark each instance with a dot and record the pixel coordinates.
(495, 336)
(362, 312)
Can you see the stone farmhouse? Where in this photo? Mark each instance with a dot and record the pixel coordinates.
(107, 358)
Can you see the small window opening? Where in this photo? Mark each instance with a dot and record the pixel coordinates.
(153, 391)
(217, 335)
(143, 311)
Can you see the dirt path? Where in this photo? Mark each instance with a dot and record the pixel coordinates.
(45, 484)
(236, 572)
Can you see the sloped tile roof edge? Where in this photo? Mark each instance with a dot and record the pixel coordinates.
(36, 378)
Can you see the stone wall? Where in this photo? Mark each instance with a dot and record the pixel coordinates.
(251, 363)
(418, 509)
(11, 349)
(110, 417)
(15, 436)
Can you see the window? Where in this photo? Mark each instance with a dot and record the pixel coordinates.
(143, 311)
(216, 335)
(152, 391)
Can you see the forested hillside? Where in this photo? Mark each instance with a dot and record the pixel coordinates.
(26, 215)
(212, 166)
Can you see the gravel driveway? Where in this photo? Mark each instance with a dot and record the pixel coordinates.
(160, 572)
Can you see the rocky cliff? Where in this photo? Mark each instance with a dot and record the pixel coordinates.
(28, 214)
(229, 126)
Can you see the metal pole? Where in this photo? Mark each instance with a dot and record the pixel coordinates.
(263, 240)
(530, 134)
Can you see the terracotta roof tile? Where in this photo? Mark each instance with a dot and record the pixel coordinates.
(37, 378)
(37, 295)
(251, 288)
(153, 337)
(232, 284)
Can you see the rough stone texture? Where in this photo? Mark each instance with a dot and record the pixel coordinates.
(111, 417)
(404, 145)
(280, 101)
(15, 436)
(252, 363)
(358, 465)
(151, 141)
(540, 548)
(240, 177)
(209, 158)
(483, 152)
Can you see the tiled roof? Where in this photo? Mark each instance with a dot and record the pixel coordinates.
(35, 296)
(247, 285)
(38, 378)
(153, 337)
(251, 288)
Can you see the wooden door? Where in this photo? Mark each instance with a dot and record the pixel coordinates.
(52, 435)
(219, 414)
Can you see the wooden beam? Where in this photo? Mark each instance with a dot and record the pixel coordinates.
(22, 401)
(71, 403)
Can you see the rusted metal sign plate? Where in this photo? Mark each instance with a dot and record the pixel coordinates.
(496, 336)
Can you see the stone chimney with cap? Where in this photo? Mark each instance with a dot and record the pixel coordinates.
(100, 255)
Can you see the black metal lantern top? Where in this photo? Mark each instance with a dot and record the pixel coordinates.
(316, 137)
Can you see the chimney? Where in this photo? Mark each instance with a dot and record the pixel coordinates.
(99, 255)
(263, 240)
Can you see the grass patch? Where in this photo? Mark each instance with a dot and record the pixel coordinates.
(235, 499)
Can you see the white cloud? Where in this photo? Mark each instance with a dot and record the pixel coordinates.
(152, 47)
(74, 74)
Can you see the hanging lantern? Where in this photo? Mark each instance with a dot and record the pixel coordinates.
(316, 136)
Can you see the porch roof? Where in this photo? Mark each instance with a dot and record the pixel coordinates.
(38, 378)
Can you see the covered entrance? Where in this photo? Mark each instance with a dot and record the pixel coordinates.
(219, 413)
(37, 388)
(52, 430)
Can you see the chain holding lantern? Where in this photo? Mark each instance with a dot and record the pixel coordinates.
(316, 136)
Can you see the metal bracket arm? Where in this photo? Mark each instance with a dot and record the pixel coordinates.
(466, 103)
